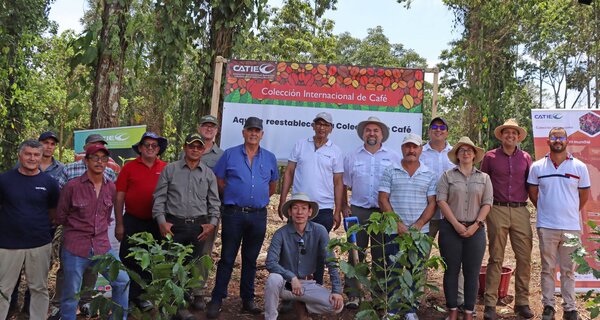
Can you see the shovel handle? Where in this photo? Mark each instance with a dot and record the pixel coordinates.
(347, 221)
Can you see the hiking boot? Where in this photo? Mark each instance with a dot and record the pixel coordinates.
(489, 313)
(353, 303)
(524, 312)
(570, 315)
(250, 307)
(548, 313)
(213, 309)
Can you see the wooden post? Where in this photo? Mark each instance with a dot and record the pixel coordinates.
(434, 103)
(216, 93)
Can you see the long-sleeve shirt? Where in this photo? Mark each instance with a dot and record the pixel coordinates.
(186, 192)
(285, 258)
(508, 173)
(85, 216)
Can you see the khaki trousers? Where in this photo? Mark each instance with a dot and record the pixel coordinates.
(503, 222)
(37, 265)
(553, 250)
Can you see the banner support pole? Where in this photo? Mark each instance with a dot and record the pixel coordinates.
(434, 103)
(216, 92)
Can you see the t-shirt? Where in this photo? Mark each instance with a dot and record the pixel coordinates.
(24, 203)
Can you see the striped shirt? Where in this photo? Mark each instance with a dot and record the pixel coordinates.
(408, 195)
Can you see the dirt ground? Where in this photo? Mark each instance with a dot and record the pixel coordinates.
(432, 308)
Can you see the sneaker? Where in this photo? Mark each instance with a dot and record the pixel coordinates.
(489, 313)
(570, 315)
(213, 309)
(145, 305)
(411, 316)
(548, 313)
(353, 303)
(85, 310)
(524, 312)
(250, 307)
(54, 313)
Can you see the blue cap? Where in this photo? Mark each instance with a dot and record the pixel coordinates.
(48, 135)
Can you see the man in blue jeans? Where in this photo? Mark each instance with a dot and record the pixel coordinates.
(84, 210)
(247, 176)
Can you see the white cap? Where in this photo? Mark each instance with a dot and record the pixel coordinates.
(412, 138)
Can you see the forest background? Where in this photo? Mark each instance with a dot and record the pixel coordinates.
(152, 62)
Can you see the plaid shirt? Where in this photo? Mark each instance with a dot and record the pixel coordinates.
(76, 169)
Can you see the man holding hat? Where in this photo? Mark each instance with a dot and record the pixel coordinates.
(294, 254)
(186, 203)
(362, 172)
(408, 189)
(247, 175)
(84, 209)
(135, 186)
(508, 168)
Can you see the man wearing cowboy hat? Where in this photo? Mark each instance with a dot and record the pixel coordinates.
(135, 186)
(293, 257)
(508, 167)
(362, 171)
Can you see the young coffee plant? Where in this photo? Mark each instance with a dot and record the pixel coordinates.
(591, 298)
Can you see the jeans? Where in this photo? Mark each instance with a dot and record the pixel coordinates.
(248, 230)
(74, 266)
(456, 252)
(133, 225)
(324, 218)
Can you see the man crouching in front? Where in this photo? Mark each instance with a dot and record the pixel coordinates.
(292, 259)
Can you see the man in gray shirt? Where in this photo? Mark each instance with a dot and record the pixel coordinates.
(186, 201)
(295, 250)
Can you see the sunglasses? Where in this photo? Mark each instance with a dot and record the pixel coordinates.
(441, 127)
(301, 245)
(553, 138)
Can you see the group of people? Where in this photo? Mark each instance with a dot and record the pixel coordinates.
(433, 187)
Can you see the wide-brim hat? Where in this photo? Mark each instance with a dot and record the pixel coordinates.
(360, 129)
(300, 197)
(162, 142)
(479, 152)
(510, 123)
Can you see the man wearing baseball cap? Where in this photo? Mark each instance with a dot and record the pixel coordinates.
(186, 205)
(84, 210)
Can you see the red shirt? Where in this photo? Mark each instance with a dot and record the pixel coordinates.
(85, 217)
(138, 182)
(508, 174)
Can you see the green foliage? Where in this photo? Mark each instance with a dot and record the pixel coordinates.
(173, 274)
(582, 258)
(400, 284)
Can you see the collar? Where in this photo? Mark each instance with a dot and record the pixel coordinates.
(84, 177)
(328, 143)
(422, 168)
(382, 149)
(183, 164)
(501, 151)
(569, 156)
(427, 146)
(475, 170)
(290, 227)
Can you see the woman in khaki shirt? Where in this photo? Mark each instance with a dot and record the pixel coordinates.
(465, 196)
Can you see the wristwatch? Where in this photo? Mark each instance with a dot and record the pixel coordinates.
(480, 223)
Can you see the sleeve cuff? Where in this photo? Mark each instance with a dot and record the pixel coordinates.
(160, 218)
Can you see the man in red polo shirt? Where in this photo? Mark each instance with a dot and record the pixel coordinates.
(135, 186)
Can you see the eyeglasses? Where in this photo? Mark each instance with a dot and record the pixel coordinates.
(96, 158)
(466, 151)
(301, 245)
(441, 127)
(195, 146)
(208, 126)
(150, 145)
(322, 124)
(553, 138)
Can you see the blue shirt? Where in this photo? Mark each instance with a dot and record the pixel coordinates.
(284, 256)
(24, 203)
(245, 185)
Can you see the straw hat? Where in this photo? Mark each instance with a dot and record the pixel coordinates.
(360, 129)
(510, 123)
(479, 152)
(300, 197)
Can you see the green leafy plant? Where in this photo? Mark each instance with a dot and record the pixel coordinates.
(591, 298)
(399, 284)
(172, 270)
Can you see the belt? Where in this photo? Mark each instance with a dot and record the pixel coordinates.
(467, 223)
(308, 277)
(244, 209)
(175, 219)
(510, 204)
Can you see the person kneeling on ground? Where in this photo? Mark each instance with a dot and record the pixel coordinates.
(292, 260)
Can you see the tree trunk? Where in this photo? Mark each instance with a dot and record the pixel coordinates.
(109, 70)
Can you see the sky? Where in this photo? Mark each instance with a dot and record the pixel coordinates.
(427, 27)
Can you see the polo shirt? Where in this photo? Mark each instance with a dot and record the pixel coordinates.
(246, 185)
(408, 194)
(558, 192)
(438, 162)
(315, 169)
(362, 173)
(508, 174)
(24, 203)
(138, 182)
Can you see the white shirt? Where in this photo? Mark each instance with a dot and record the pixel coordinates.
(558, 192)
(315, 169)
(362, 173)
(437, 162)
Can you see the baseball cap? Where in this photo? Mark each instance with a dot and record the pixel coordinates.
(439, 119)
(324, 116)
(193, 137)
(412, 138)
(48, 135)
(95, 148)
(94, 137)
(253, 122)
(210, 119)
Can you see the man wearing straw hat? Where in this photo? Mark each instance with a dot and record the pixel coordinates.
(508, 167)
(295, 251)
(362, 172)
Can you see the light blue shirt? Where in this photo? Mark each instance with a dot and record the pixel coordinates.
(437, 162)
